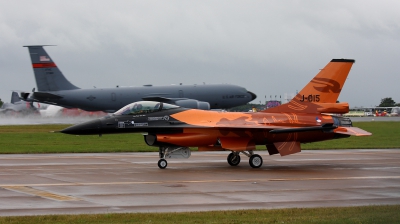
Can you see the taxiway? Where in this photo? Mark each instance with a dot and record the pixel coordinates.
(132, 182)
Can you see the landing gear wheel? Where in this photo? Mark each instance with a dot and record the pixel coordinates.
(255, 161)
(162, 163)
(233, 159)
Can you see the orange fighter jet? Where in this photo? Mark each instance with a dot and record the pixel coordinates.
(306, 118)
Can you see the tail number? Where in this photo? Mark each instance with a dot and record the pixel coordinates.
(310, 98)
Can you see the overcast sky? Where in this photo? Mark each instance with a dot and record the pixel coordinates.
(268, 47)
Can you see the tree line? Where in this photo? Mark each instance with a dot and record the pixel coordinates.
(388, 102)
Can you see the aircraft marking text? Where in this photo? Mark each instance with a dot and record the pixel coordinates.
(310, 98)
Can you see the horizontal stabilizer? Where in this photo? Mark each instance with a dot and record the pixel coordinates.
(352, 131)
(324, 127)
(338, 108)
(45, 96)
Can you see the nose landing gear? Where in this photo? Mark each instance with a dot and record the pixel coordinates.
(162, 163)
(171, 153)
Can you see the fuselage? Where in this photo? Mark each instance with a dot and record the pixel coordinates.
(192, 128)
(112, 99)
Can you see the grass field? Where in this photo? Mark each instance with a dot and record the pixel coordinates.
(365, 214)
(39, 139)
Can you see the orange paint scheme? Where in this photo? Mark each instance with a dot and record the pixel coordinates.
(248, 119)
(243, 131)
(324, 88)
(306, 118)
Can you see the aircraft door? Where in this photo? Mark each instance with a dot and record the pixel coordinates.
(180, 94)
(113, 97)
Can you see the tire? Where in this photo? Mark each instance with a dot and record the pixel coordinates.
(233, 159)
(255, 161)
(162, 163)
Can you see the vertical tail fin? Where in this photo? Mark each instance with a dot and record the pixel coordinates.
(15, 97)
(322, 92)
(48, 76)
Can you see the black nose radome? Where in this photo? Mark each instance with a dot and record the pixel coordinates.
(87, 128)
(253, 96)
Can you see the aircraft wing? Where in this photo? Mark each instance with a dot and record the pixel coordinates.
(324, 127)
(39, 96)
(162, 99)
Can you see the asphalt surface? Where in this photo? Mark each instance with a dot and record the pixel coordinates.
(132, 182)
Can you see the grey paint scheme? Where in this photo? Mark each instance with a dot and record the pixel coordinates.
(17, 105)
(54, 88)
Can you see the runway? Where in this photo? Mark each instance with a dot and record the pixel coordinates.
(131, 182)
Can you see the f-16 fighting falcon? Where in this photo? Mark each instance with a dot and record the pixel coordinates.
(53, 88)
(306, 118)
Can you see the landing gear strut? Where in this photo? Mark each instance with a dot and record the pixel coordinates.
(170, 153)
(162, 163)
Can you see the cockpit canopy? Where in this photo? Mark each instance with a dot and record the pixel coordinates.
(144, 107)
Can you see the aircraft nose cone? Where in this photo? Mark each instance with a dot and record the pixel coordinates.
(253, 96)
(86, 128)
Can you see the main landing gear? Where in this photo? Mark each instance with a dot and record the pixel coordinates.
(233, 159)
(255, 160)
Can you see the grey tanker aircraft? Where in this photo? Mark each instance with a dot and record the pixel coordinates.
(53, 88)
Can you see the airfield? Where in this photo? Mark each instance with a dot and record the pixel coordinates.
(88, 183)
(36, 184)
(32, 120)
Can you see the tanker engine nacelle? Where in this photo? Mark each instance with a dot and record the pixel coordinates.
(193, 104)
